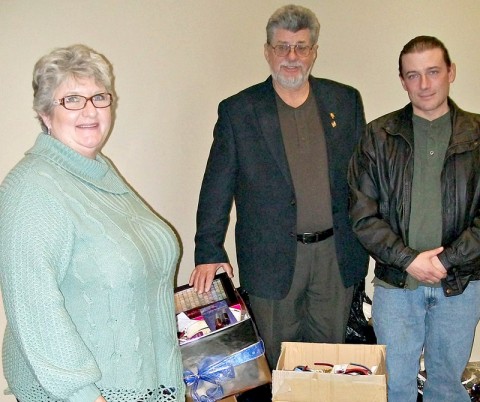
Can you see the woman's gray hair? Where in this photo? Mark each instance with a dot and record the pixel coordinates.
(53, 69)
(293, 18)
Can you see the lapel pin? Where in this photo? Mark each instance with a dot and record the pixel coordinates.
(333, 122)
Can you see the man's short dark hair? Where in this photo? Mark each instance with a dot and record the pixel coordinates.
(420, 44)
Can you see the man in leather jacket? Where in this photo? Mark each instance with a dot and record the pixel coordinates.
(415, 206)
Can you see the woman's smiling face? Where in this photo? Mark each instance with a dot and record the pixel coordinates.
(85, 130)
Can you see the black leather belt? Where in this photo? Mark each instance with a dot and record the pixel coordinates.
(307, 238)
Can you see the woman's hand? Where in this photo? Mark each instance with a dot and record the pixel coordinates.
(100, 399)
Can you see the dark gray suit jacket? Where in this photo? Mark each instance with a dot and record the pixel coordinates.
(248, 165)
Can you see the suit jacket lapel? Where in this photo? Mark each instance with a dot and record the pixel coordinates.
(269, 123)
(324, 112)
(327, 108)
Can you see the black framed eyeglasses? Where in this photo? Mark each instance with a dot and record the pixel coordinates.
(78, 102)
(283, 50)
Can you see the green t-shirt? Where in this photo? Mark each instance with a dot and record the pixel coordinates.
(431, 139)
(431, 143)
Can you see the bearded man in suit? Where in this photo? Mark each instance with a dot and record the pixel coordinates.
(280, 152)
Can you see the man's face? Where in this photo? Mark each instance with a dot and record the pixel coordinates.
(427, 78)
(291, 71)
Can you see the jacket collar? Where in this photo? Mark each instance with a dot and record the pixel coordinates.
(401, 124)
(465, 128)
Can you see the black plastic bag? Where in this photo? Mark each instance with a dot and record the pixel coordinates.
(358, 328)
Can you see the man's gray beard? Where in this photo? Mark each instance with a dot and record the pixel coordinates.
(291, 83)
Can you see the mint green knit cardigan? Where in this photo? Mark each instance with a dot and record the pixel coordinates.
(86, 271)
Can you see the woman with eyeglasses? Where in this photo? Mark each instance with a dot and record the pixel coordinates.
(86, 267)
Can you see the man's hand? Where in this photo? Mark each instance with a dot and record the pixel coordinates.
(202, 276)
(427, 267)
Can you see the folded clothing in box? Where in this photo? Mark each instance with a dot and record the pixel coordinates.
(228, 357)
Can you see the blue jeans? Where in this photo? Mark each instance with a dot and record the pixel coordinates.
(409, 321)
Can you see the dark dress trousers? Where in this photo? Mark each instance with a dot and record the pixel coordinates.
(248, 165)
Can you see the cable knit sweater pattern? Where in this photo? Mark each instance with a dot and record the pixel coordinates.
(86, 270)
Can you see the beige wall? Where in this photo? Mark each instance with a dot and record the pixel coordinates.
(175, 60)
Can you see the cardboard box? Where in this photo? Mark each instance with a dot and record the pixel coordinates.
(225, 360)
(303, 386)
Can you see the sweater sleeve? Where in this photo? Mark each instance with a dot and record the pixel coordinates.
(37, 239)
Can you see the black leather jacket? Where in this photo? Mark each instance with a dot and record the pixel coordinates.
(380, 180)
